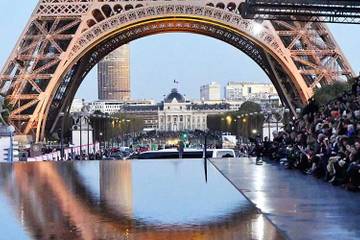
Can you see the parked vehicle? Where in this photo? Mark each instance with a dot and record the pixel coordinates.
(188, 153)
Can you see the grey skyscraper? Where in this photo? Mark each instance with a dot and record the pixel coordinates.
(114, 75)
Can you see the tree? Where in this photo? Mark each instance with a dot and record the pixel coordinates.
(4, 110)
(251, 121)
(249, 107)
(241, 123)
(126, 124)
(214, 122)
(329, 92)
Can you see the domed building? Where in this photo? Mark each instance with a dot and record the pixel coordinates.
(178, 114)
(174, 96)
(174, 113)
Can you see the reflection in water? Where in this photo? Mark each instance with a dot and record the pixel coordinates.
(116, 186)
(136, 200)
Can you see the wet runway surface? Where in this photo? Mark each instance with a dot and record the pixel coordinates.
(301, 206)
(149, 199)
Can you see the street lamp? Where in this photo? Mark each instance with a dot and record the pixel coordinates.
(105, 130)
(88, 136)
(80, 125)
(269, 118)
(228, 123)
(62, 115)
(11, 130)
(93, 133)
(256, 115)
(101, 137)
(286, 115)
(129, 130)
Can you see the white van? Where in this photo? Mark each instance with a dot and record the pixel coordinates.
(188, 153)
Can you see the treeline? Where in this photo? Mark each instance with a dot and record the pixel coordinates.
(246, 123)
(119, 125)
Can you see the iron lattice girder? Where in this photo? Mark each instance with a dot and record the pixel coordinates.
(314, 51)
(330, 52)
(47, 64)
(25, 97)
(337, 11)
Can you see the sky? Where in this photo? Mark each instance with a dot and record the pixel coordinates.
(156, 61)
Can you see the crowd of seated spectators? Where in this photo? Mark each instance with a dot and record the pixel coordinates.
(325, 140)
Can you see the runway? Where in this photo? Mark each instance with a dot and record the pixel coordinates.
(300, 206)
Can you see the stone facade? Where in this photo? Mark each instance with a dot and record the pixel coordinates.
(175, 113)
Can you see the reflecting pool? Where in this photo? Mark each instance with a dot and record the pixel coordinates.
(140, 199)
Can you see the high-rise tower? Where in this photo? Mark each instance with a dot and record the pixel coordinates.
(114, 75)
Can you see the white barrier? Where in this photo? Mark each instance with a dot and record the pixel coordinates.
(56, 156)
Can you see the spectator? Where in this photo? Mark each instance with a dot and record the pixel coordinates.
(326, 140)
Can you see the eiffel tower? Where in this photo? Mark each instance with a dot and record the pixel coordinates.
(64, 39)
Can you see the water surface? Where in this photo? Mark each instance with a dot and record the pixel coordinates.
(140, 199)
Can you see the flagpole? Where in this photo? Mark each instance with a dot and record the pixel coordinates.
(176, 84)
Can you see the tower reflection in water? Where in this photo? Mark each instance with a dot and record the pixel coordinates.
(125, 200)
(116, 187)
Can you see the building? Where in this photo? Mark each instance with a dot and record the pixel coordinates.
(9, 149)
(177, 114)
(114, 106)
(148, 113)
(235, 91)
(210, 92)
(114, 75)
(174, 113)
(235, 105)
(77, 105)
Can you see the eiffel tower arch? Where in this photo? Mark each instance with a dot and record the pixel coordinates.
(64, 39)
